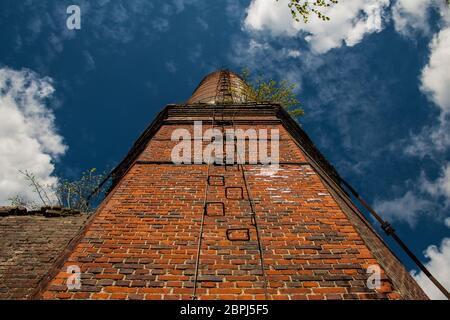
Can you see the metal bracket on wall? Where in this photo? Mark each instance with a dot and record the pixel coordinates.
(214, 209)
(216, 180)
(234, 193)
(239, 234)
(232, 167)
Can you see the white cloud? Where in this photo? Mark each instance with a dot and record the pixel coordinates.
(202, 23)
(408, 208)
(435, 76)
(439, 187)
(435, 81)
(89, 60)
(350, 21)
(414, 203)
(28, 137)
(293, 53)
(447, 222)
(411, 15)
(181, 4)
(439, 266)
(404, 209)
(171, 67)
(161, 24)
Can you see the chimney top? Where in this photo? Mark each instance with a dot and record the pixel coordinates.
(221, 86)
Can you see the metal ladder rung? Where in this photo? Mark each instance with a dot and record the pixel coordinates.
(216, 180)
(238, 234)
(220, 213)
(229, 194)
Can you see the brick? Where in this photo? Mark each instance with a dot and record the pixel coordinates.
(225, 291)
(81, 295)
(134, 296)
(310, 284)
(329, 290)
(113, 289)
(100, 296)
(64, 295)
(31, 244)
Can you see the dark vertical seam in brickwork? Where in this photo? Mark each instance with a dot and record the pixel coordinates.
(200, 237)
(254, 219)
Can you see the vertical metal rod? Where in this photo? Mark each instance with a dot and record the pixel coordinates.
(200, 237)
(253, 218)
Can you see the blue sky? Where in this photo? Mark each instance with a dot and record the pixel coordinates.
(373, 82)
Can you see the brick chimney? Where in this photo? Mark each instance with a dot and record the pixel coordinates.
(239, 229)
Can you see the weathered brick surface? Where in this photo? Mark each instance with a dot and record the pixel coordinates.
(401, 279)
(142, 243)
(29, 246)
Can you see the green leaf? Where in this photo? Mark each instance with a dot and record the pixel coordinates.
(281, 92)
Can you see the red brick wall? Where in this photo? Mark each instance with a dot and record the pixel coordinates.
(29, 246)
(142, 243)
